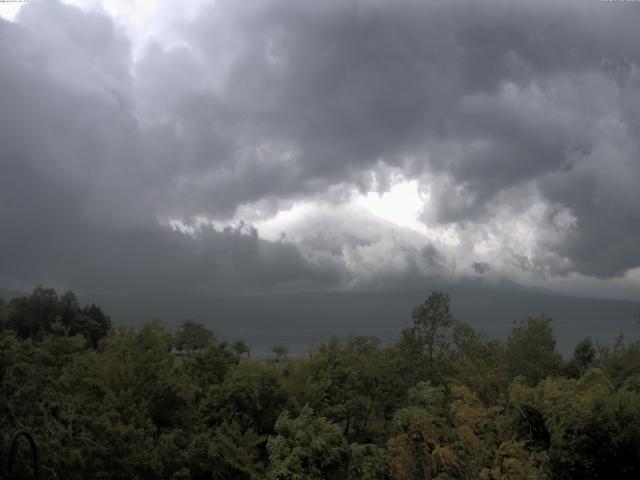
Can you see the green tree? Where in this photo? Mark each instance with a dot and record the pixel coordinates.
(583, 357)
(209, 365)
(33, 316)
(96, 327)
(431, 323)
(307, 447)
(280, 351)
(368, 462)
(241, 348)
(5, 314)
(343, 382)
(192, 335)
(593, 427)
(421, 433)
(250, 395)
(620, 361)
(479, 363)
(236, 453)
(531, 350)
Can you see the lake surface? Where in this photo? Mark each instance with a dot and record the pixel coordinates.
(301, 341)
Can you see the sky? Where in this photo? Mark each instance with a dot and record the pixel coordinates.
(362, 145)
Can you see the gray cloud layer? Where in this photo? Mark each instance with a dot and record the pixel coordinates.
(276, 101)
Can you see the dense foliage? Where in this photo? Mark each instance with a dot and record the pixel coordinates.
(444, 402)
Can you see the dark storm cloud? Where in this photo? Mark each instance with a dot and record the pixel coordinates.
(277, 100)
(481, 267)
(79, 190)
(494, 94)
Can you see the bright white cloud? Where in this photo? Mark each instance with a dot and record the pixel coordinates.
(147, 21)
(9, 10)
(402, 204)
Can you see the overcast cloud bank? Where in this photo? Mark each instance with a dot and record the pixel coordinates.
(131, 162)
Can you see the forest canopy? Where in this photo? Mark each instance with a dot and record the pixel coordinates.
(443, 402)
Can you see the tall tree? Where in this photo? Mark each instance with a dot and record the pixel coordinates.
(431, 322)
(307, 447)
(192, 335)
(531, 350)
(583, 357)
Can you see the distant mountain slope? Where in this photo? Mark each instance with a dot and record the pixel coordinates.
(318, 315)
